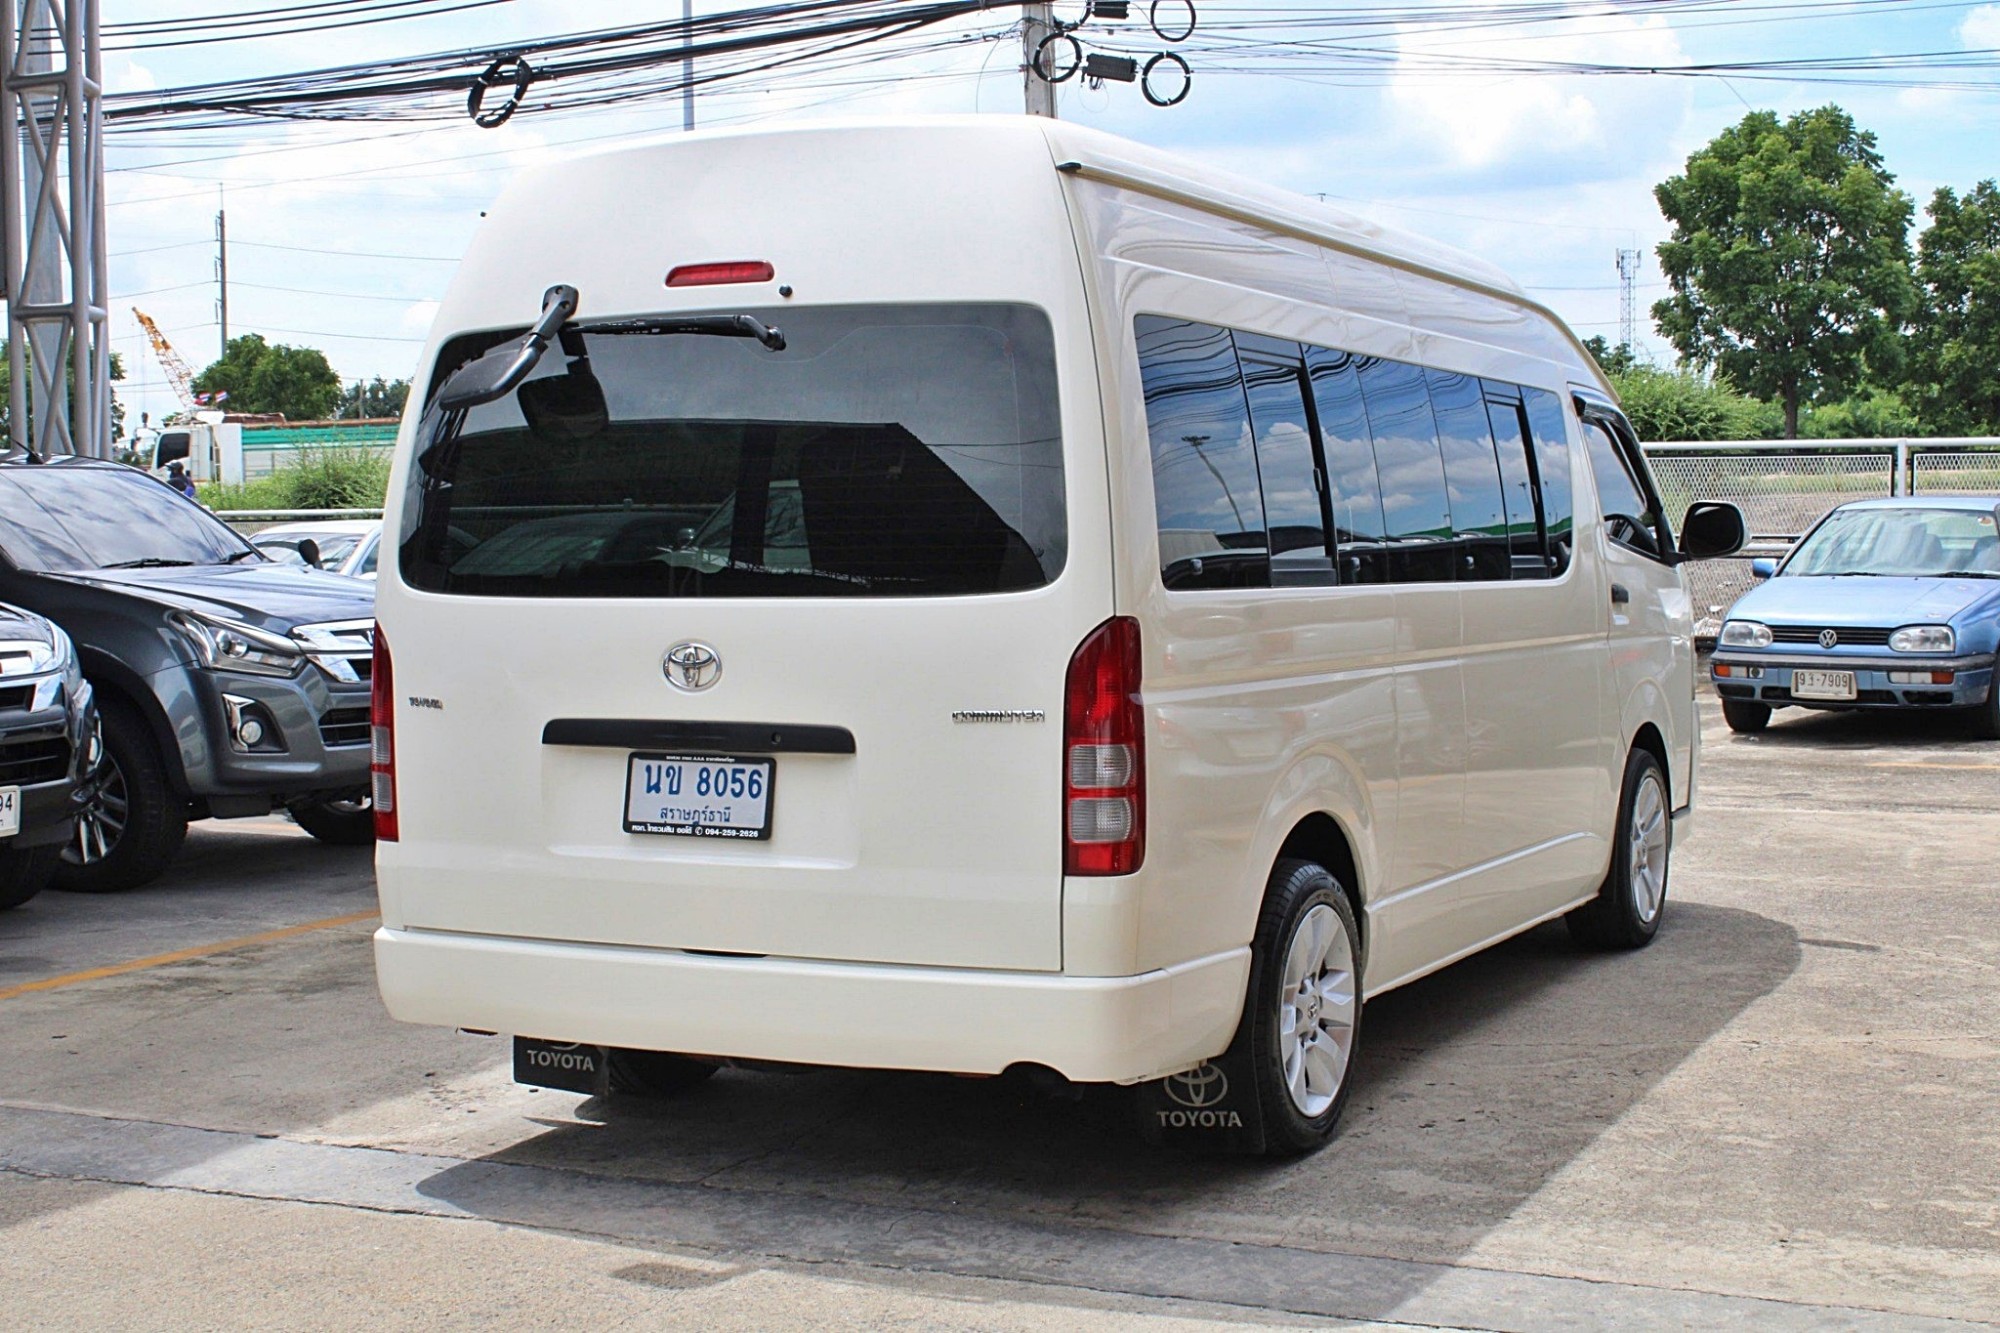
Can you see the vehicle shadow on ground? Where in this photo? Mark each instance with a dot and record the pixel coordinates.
(1475, 1088)
(1805, 728)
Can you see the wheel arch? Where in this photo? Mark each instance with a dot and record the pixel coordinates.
(1649, 739)
(112, 679)
(1319, 837)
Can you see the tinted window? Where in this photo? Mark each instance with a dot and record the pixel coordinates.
(1414, 507)
(1355, 493)
(1205, 489)
(1550, 431)
(64, 518)
(1526, 554)
(886, 451)
(1293, 506)
(172, 445)
(1472, 476)
(1628, 516)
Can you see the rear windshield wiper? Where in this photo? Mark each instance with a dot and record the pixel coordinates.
(715, 326)
(148, 562)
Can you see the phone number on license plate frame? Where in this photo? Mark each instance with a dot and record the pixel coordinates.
(699, 796)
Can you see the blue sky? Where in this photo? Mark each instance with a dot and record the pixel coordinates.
(1548, 176)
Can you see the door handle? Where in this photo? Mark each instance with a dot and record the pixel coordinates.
(1619, 596)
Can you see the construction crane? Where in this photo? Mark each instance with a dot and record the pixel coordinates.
(177, 370)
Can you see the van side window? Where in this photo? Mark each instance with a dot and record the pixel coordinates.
(1472, 477)
(1550, 430)
(1628, 515)
(1287, 462)
(1527, 555)
(1348, 456)
(1414, 504)
(1205, 487)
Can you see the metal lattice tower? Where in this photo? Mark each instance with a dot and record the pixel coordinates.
(53, 263)
(1628, 297)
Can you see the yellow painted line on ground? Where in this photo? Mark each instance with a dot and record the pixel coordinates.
(181, 955)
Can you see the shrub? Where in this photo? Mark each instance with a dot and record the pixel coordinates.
(1675, 405)
(316, 478)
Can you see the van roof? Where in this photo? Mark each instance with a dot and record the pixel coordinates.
(1136, 163)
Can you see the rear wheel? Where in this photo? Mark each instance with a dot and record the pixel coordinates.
(1626, 912)
(349, 822)
(25, 872)
(1746, 716)
(125, 837)
(1305, 997)
(656, 1073)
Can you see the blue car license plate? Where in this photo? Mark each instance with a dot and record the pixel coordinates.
(699, 796)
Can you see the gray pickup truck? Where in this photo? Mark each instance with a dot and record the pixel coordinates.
(229, 685)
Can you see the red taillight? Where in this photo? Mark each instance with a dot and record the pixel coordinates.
(382, 735)
(1104, 754)
(709, 275)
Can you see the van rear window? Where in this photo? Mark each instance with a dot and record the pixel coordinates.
(887, 451)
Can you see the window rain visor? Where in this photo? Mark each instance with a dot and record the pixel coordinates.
(886, 451)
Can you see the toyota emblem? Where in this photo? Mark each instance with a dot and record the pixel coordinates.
(691, 666)
(1200, 1087)
(1827, 638)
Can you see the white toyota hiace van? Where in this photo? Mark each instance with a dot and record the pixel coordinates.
(975, 594)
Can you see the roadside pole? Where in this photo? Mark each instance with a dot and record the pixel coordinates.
(1038, 94)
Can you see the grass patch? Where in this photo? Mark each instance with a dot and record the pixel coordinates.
(316, 478)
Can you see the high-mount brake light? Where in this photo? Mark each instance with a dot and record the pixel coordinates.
(1104, 754)
(382, 738)
(710, 275)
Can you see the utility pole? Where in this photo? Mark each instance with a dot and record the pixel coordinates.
(1038, 21)
(1628, 297)
(222, 270)
(687, 65)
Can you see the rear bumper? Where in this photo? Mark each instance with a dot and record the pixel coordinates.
(1090, 1029)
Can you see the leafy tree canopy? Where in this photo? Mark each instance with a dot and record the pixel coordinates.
(1612, 360)
(263, 377)
(1789, 261)
(1955, 348)
(374, 398)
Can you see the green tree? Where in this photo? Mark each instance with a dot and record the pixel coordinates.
(1683, 405)
(1612, 360)
(1955, 348)
(265, 377)
(374, 398)
(1790, 259)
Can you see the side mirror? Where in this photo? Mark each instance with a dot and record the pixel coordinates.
(309, 552)
(1763, 567)
(1712, 529)
(570, 406)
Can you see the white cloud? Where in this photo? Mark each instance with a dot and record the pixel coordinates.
(1980, 30)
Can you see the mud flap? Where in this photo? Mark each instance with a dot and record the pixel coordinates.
(564, 1065)
(1211, 1108)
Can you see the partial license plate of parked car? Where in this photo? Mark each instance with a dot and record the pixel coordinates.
(10, 811)
(1822, 684)
(699, 796)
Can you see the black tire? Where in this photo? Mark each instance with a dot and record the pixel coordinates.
(130, 834)
(25, 872)
(1626, 912)
(1297, 892)
(1746, 716)
(1986, 717)
(656, 1073)
(338, 823)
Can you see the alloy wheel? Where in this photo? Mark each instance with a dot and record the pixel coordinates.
(1316, 1010)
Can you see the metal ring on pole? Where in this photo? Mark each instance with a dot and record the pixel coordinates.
(1146, 80)
(493, 77)
(1153, 18)
(1044, 62)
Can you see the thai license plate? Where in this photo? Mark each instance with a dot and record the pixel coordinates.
(1822, 684)
(699, 796)
(10, 811)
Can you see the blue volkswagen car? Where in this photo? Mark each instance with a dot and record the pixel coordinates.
(1891, 603)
